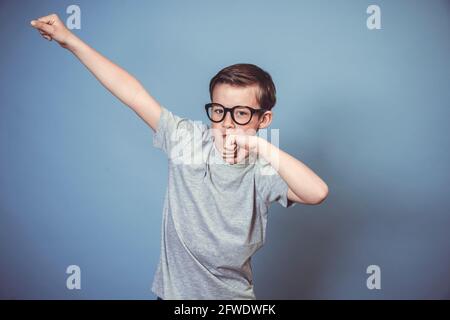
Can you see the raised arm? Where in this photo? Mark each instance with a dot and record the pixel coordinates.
(118, 81)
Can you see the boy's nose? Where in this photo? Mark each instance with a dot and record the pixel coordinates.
(228, 121)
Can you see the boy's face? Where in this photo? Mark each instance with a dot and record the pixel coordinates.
(230, 96)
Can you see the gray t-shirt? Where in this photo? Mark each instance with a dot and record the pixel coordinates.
(214, 216)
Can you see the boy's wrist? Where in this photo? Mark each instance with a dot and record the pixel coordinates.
(263, 147)
(72, 42)
(268, 152)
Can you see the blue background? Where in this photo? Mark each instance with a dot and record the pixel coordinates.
(368, 111)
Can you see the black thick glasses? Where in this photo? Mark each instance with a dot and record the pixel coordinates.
(240, 114)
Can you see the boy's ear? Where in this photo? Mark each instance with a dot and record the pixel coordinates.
(265, 120)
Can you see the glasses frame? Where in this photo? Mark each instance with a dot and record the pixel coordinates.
(231, 110)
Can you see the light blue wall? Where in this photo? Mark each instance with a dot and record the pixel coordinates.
(80, 182)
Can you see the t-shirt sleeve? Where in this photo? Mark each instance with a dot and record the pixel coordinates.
(172, 132)
(273, 188)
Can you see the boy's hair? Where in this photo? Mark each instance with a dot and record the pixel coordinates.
(243, 75)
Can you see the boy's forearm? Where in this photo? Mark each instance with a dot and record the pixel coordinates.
(119, 82)
(300, 179)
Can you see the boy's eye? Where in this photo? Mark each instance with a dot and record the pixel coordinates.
(242, 113)
(218, 111)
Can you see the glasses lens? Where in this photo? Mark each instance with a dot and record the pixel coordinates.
(215, 112)
(242, 115)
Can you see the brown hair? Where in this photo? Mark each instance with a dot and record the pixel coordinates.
(243, 75)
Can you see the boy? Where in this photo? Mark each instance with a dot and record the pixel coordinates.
(222, 177)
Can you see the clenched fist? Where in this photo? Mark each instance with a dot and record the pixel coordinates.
(238, 147)
(52, 28)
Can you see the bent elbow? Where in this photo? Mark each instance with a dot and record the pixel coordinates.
(321, 196)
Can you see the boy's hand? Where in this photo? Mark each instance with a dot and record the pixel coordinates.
(238, 147)
(51, 27)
